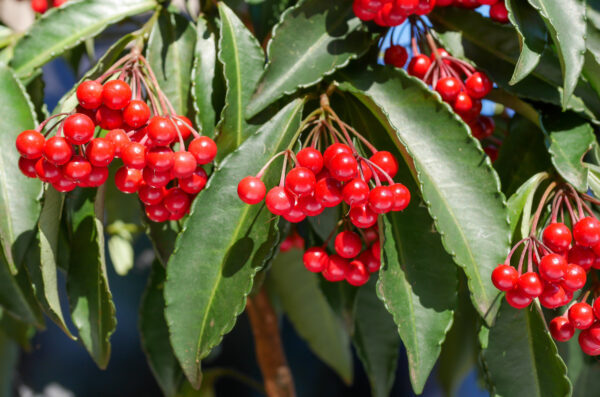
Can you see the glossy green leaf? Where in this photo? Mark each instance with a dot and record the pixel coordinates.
(331, 37)
(522, 200)
(154, 334)
(532, 37)
(203, 75)
(567, 26)
(92, 309)
(406, 277)
(242, 59)
(521, 357)
(457, 180)
(571, 138)
(19, 205)
(308, 310)
(207, 286)
(591, 66)
(375, 339)
(63, 28)
(170, 52)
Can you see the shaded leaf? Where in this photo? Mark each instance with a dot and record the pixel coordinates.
(163, 237)
(9, 360)
(521, 201)
(120, 249)
(203, 75)
(16, 330)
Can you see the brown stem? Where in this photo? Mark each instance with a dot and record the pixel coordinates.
(277, 376)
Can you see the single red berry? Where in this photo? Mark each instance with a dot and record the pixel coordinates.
(387, 162)
(97, 177)
(425, 7)
(128, 180)
(448, 88)
(310, 158)
(392, 16)
(347, 244)
(530, 284)
(355, 192)
(161, 130)
(156, 178)
(362, 216)
(561, 329)
(46, 171)
(574, 277)
(586, 232)
(30, 144)
(194, 183)
(381, 199)
(184, 164)
(39, 6)
(463, 103)
(134, 155)
(499, 13)
(552, 267)
(517, 299)
(553, 296)
(343, 167)
(251, 190)
(136, 114)
(310, 205)
(119, 139)
(89, 94)
(27, 167)
(334, 150)
(64, 185)
(336, 268)
(581, 315)
(77, 169)
(362, 13)
(357, 273)
(100, 152)
(157, 213)
(582, 256)
(443, 54)
(401, 197)
(204, 149)
(176, 200)
(295, 215)
(504, 277)
(279, 201)
(587, 344)
(109, 119)
(151, 195)
(57, 150)
(373, 265)
(478, 85)
(301, 181)
(396, 55)
(116, 94)
(328, 192)
(160, 158)
(315, 259)
(557, 237)
(419, 65)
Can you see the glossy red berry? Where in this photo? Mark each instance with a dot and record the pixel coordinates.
(57, 150)
(574, 277)
(376, 250)
(392, 16)
(109, 119)
(373, 265)
(343, 167)
(499, 13)
(396, 55)
(89, 94)
(97, 177)
(310, 205)
(184, 164)
(355, 192)
(504, 277)
(357, 273)
(334, 150)
(443, 54)
(425, 7)
(586, 232)
(561, 329)
(581, 315)
(463, 103)
(156, 178)
(315, 259)
(347, 244)
(362, 216)
(295, 215)
(478, 85)
(116, 94)
(596, 307)
(194, 183)
(552, 267)
(371, 235)
(77, 169)
(157, 213)
(128, 180)
(160, 158)
(279, 201)
(381, 199)
(30, 144)
(362, 13)
(183, 125)
(100, 152)
(310, 158)
(39, 6)
(301, 181)
(401, 197)
(582, 256)
(204, 149)
(448, 88)
(387, 162)
(119, 139)
(251, 190)
(136, 114)
(419, 65)
(557, 237)
(530, 284)
(517, 299)
(587, 344)
(64, 185)
(27, 167)
(553, 296)
(161, 130)
(46, 171)
(176, 200)
(328, 192)
(134, 155)
(336, 268)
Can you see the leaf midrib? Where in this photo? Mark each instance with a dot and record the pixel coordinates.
(238, 80)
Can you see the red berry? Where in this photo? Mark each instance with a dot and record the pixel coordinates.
(347, 244)
(334, 150)
(381, 199)
(279, 201)
(176, 200)
(574, 278)
(376, 250)
(553, 296)
(504, 277)
(597, 307)
(251, 190)
(357, 273)
(478, 85)
(371, 235)
(30, 144)
(499, 13)
(89, 94)
(77, 169)
(419, 65)
(204, 149)
(587, 344)
(517, 299)
(57, 150)
(391, 15)
(582, 256)
(557, 237)
(160, 158)
(157, 213)
(119, 139)
(310, 206)
(587, 232)
(396, 55)
(97, 177)
(463, 103)
(109, 119)
(594, 332)
(425, 7)
(184, 164)
(387, 162)
(116, 94)
(194, 183)
(310, 158)
(315, 259)
(365, 171)
(162, 131)
(39, 6)
(136, 114)
(128, 180)
(401, 197)
(295, 215)
(362, 13)
(151, 195)
(27, 167)
(443, 54)
(100, 152)
(301, 181)
(581, 315)
(530, 284)
(336, 268)
(156, 178)
(448, 88)
(47, 171)
(134, 155)
(370, 261)
(64, 185)
(561, 329)
(552, 267)
(328, 192)
(362, 217)
(355, 192)
(343, 167)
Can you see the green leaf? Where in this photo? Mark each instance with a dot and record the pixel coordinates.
(532, 37)
(308, 310)
(570, 139)
(410, 248)
(521, 357)
(92, 309)
(120, 250)
(567, 26)
(522, 200)
(209, 273)
(42, 259)
(242, 59)
(163, 237)
(63, 28)
(19, 205)
(16, 330)
(457, 180)
(203, 76)
(375, 339)
(591, 66)
(170, 53)
(9, 361)
(155, 334)
(587, 382)
(331, 37)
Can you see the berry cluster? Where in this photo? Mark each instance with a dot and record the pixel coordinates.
(498, 11)
(41, 6)
(564, 258)
(357, 255)
(391, 12)
(150, 142)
